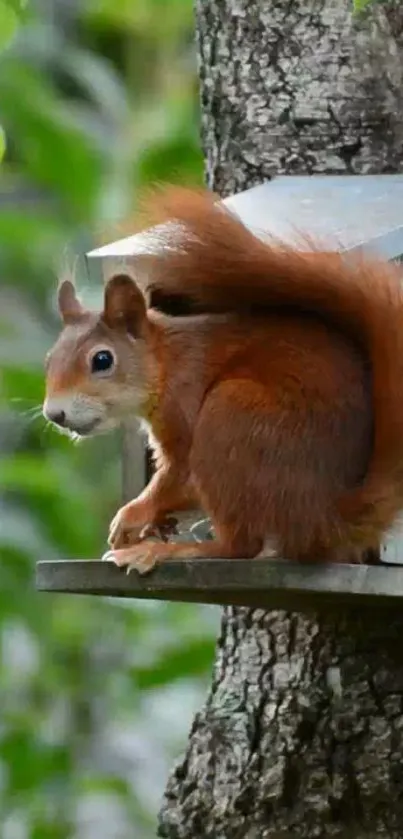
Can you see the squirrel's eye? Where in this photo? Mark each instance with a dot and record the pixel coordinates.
(102, 361)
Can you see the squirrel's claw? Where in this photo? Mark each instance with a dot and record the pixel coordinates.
(141, 558)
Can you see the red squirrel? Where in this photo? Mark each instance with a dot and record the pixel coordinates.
(275, 404)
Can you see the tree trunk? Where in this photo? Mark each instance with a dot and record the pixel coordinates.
(302, 732)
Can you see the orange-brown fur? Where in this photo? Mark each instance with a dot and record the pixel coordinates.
(278, 405)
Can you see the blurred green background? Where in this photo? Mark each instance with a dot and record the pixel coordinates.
(97, 98)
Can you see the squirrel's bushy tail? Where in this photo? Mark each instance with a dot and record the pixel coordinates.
(210, 258)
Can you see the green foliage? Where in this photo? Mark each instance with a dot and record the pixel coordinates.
(8, 22)
(10, 12)
(2, 143)
(361, 5)
(96, 98)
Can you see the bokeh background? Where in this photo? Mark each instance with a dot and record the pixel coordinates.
(97, 98)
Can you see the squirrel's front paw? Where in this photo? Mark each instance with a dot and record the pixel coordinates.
(125, 529)
(129, 527)
(141, 558)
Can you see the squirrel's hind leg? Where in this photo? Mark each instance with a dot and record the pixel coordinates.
(266, 466)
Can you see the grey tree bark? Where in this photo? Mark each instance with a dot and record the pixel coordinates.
(302, 732)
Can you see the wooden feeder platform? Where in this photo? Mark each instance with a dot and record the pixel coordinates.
(257, 583)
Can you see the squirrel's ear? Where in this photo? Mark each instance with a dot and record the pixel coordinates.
(124, 305)
(70, 307)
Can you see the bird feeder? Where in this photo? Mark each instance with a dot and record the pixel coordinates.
(344, 213)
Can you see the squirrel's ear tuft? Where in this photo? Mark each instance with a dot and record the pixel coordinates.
(70, 308)
(124, 305)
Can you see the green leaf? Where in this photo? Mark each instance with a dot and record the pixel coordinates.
(2, 143)
(8, 24)
(17, 6)
(191, 658)
(54, 151)
(177, 160)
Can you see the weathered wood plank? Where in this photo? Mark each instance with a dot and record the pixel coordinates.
(264, 583)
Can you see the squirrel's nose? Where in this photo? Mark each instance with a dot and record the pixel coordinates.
(58, 417)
